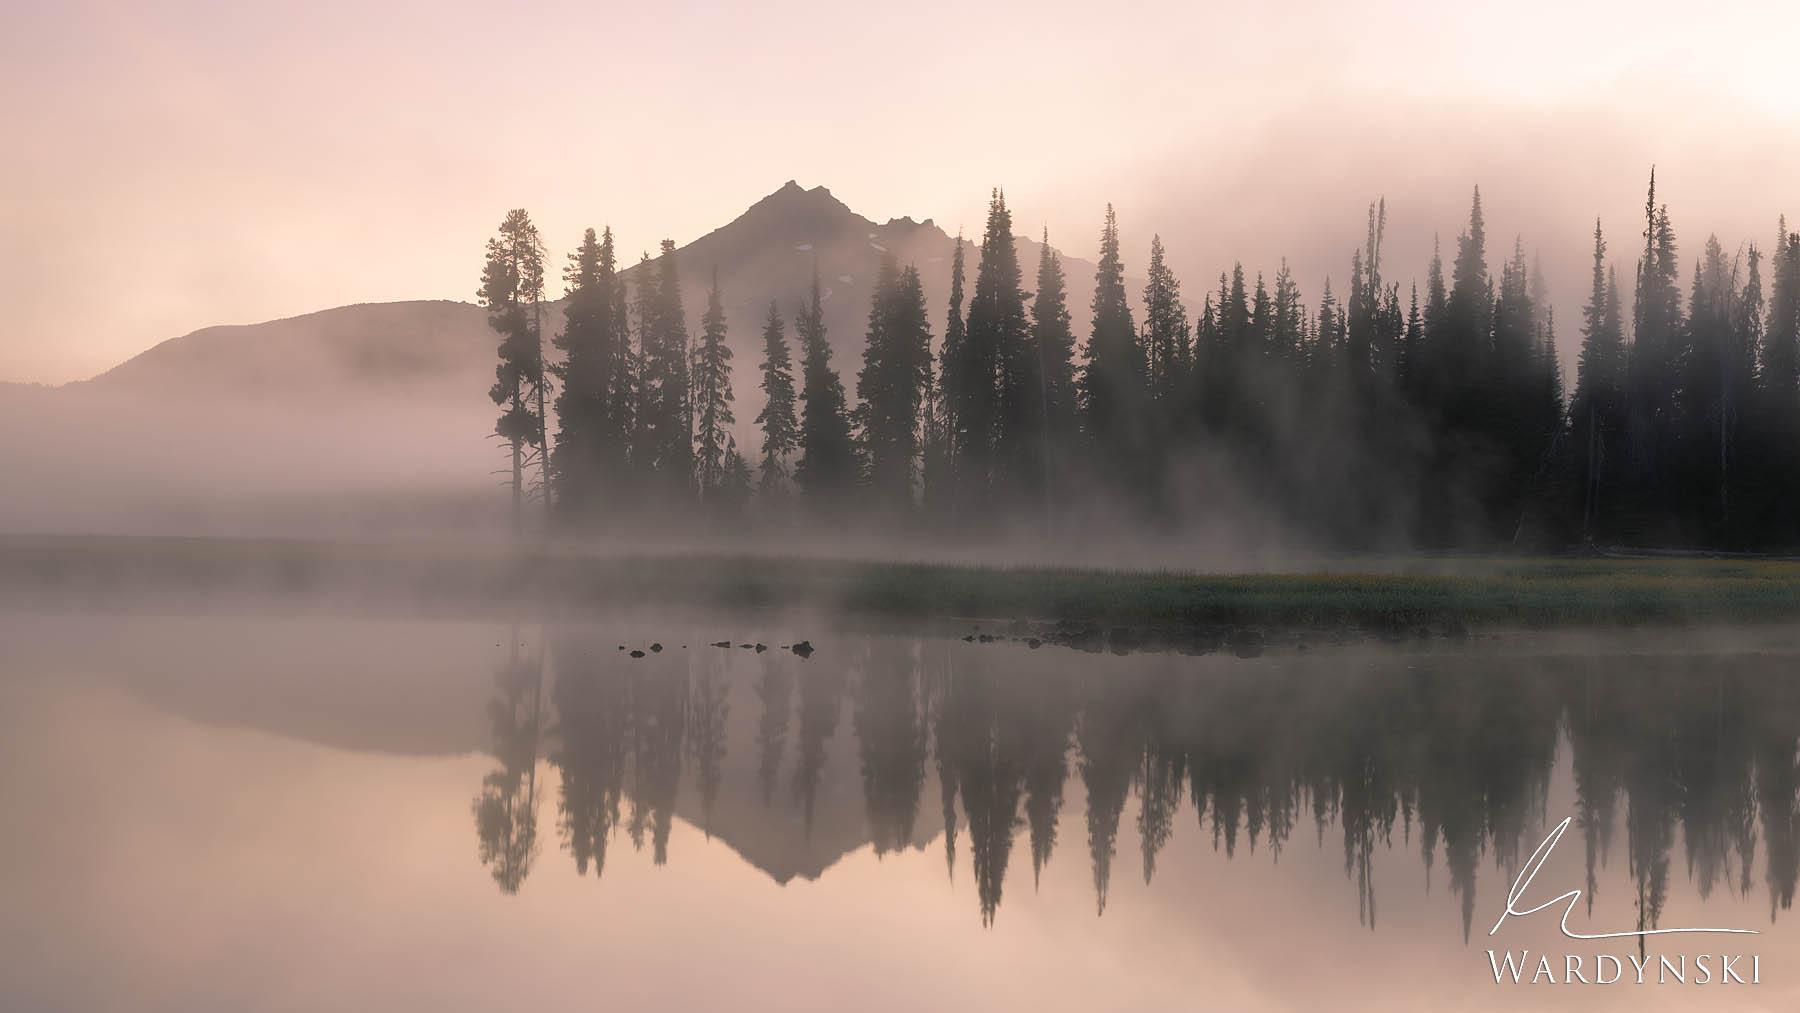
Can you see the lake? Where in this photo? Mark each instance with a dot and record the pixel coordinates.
(247, 810)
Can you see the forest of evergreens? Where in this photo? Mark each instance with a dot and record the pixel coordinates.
(1390, 414)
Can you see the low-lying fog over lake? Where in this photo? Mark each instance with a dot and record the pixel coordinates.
(843, 507)
(261, 809)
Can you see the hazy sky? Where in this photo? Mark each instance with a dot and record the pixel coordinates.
(179, 164)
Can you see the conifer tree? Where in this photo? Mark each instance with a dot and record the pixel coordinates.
(941, 466)
(973, 393)
(827, 467)
(1328, 330)
(1165, 330)
(1262, 321)
(1288, 315)
(1430, 369)
(712, 395)
(1206, 332)
(1112, 379)
(665, 406)
(1717, 366)
(1234, 319)
(1514, 326)
(1206, 352)
(1749, 317)
(1615, 326)
(622, 377)
(512, 289)
(1468, 313)
(1653, 378)
(1510, 394)
(1390, 328)
(1551, 399)
(1412, 342)
(1232, 361)
(591, 444)
(1054, 338)
(933, 457)
(1597, 412)
(1514, 331)
(1437, 298)
(1540, 292)
(1261, 375)
(891, 385)
(1007, 431)
(1363, 310)
(1546, 487)
(1781, 331)
(911, 330)
(1780, 395)
(1478, 444)
(580, 466)
(644, 310)
(1745, 394)
(780, 429)
(998, 317)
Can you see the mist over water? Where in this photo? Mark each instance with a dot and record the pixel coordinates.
(1169, 506)
(449, 814)
(392, 467)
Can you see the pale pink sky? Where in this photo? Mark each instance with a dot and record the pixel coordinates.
(180, 164)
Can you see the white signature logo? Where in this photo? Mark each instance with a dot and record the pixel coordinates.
(1529, 873)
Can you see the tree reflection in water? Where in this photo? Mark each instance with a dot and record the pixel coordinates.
(506, 810)
(1455, 750)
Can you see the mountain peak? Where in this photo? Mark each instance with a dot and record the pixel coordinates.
(791, 213)
(792, 192)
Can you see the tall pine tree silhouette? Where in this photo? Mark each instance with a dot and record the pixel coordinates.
(891, 385)
(942, 484)
(1780, 396)
(1165, 330)
(512, 289)
(1653, 378)
(665, 405)
(827, 468)
(1597, 413)
(1054, 339)
(780, 428)
(1000, 353)
(592, 439)
(713, 416)
(1112, 379)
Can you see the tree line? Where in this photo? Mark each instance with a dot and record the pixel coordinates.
(1370, 418)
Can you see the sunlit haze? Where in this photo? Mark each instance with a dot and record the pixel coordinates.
(176, 165)
(1039, 508)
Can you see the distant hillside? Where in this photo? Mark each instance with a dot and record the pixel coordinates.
(444, 348)
(421, 688)
(439, 343)
(354, 415)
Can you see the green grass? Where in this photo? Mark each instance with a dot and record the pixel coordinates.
(1376, 591)
(1489, 592)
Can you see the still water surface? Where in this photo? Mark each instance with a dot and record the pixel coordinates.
(246, 812)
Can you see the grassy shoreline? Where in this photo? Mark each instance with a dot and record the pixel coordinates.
(1380, 592)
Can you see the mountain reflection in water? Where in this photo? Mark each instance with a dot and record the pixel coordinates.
(1448, 754)
(228, 812)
